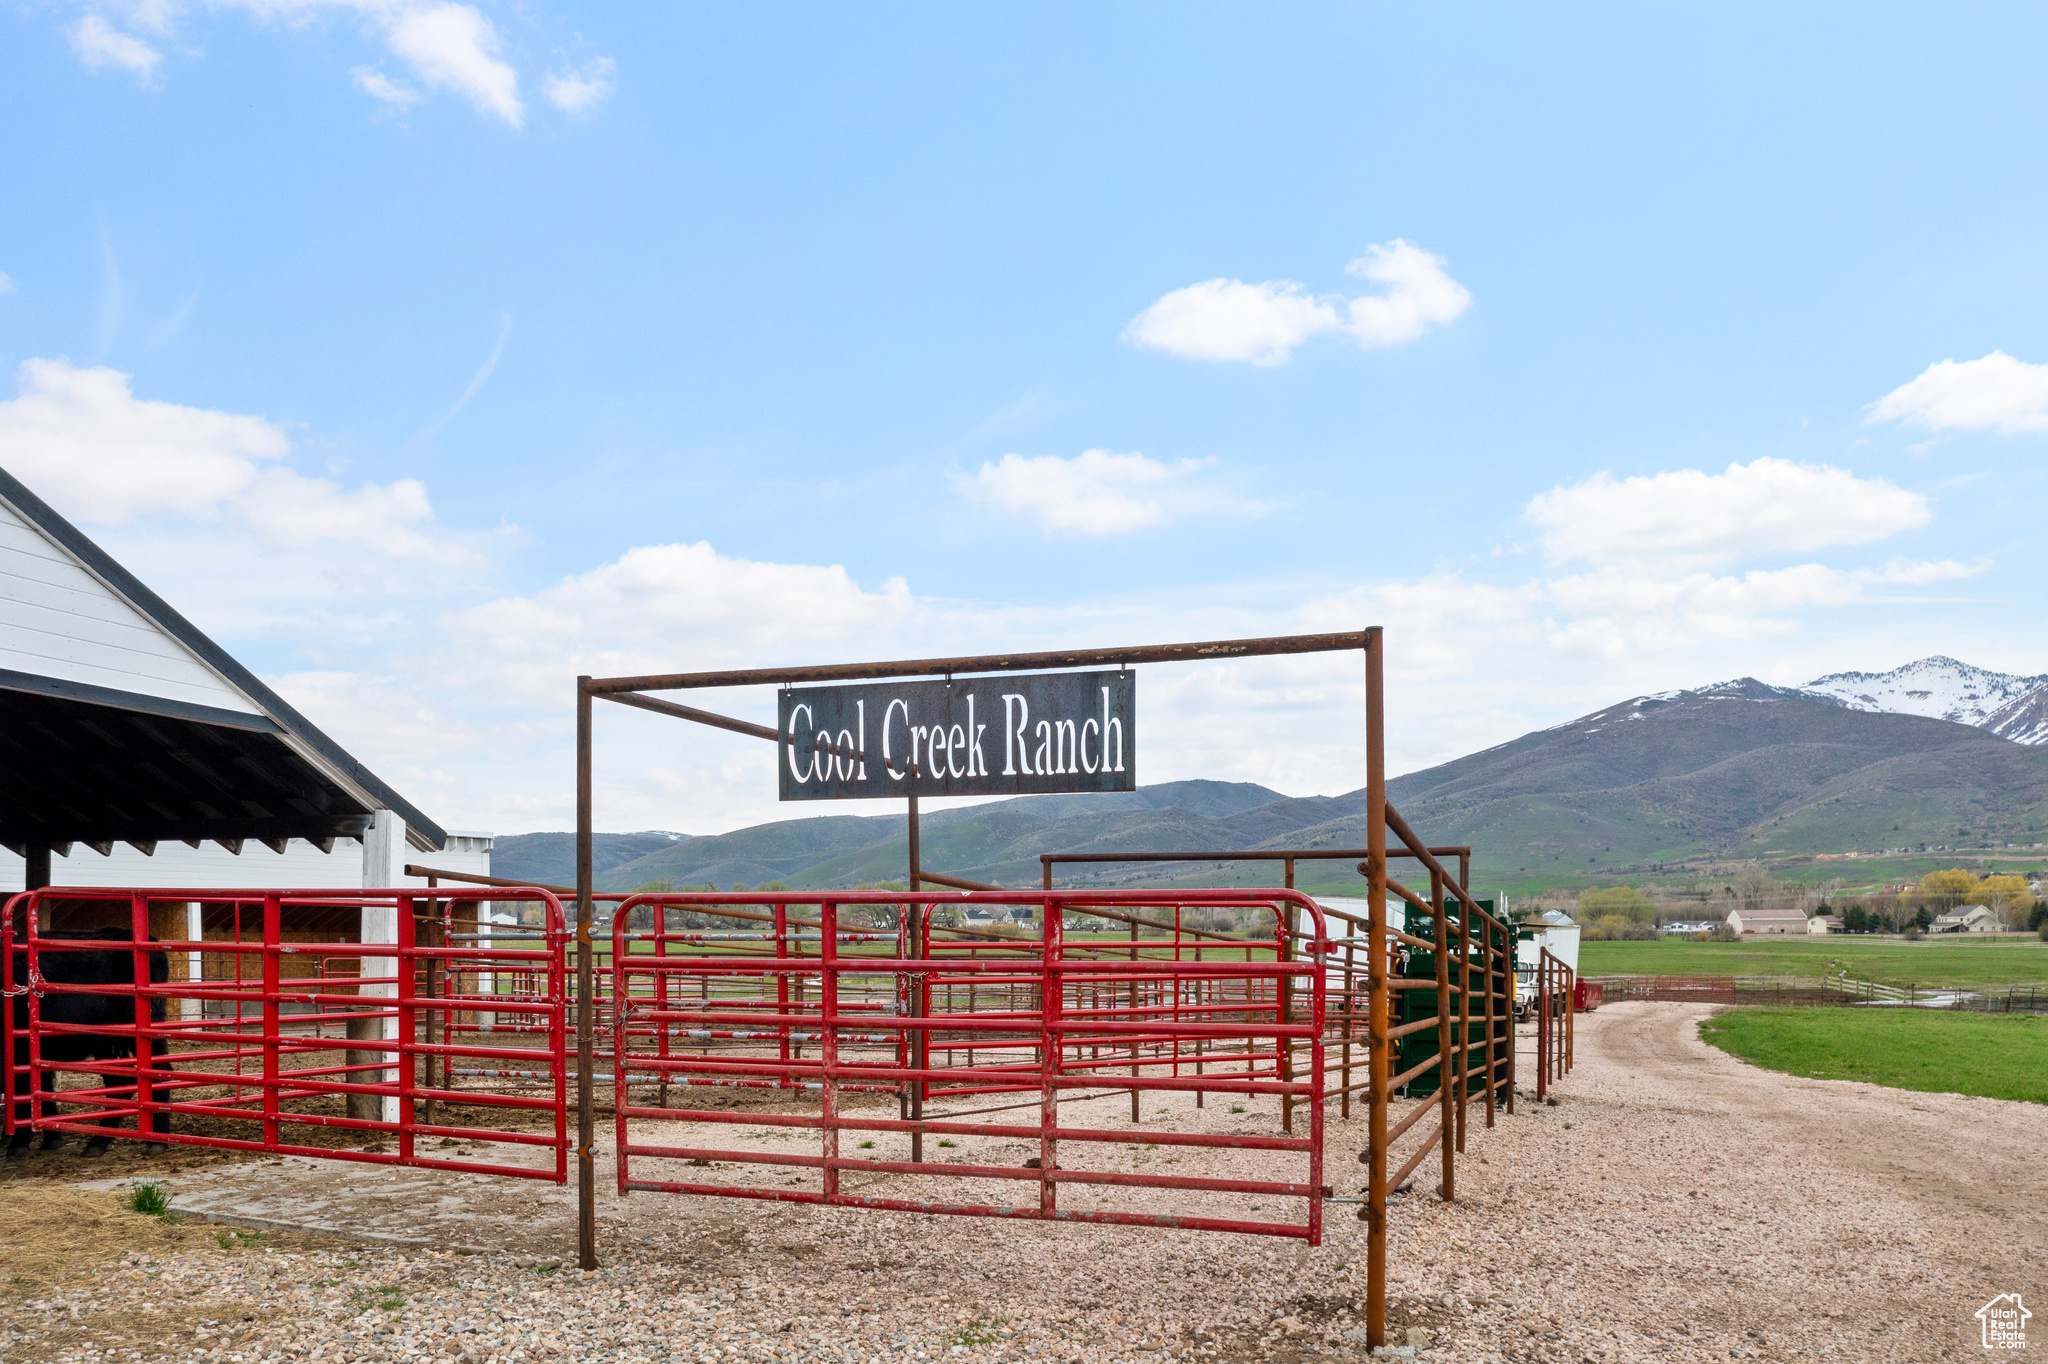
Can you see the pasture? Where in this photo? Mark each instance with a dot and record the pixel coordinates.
(1935, 1051)
(1957, 960)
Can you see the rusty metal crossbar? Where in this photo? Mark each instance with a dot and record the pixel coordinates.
(946, 1018)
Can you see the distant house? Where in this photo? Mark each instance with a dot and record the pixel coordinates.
(1767, 921)
(1966, 919)
(1824, 923)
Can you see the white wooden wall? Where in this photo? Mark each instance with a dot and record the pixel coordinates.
(57, 620)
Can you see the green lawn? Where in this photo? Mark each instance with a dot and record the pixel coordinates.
(1931, 961)
(1997, 1056)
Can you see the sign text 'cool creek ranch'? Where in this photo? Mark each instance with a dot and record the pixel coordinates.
(1023, 735)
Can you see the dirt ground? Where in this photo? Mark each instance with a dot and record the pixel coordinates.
(1675, 1204)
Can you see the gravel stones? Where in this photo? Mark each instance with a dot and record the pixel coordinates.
(1697, 1209)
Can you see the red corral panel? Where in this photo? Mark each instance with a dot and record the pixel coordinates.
(1591, 995)
(377, 1026)
(833, 1019)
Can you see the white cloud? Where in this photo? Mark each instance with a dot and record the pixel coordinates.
(446, 46)
(1622, 612)
(6, 283)
(1099, 492)
(99, 43)
(173, 476)
(665, 607)
(82, 440)
(1768, 507)
(455, 46)
(1228, 319)
(379, 86)
(1420, 294)
(1997, 393)
(583, 88)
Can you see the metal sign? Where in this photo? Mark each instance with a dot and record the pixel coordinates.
(1021, 735)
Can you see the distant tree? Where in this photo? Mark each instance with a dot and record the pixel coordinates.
(1944, 890)
(2037, 917)
(1855, 919)
(2010, 897)
(1923, 918)
(1623, 902)
(1754, 888)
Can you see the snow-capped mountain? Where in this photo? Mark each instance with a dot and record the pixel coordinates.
(1941, 688)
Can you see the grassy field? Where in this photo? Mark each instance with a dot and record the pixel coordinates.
(1997, 1056)
(1892, 961)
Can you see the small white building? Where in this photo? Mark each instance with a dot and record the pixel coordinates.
(1689, 927)
(1824, 923)
(1763, 922)
(1966, 919)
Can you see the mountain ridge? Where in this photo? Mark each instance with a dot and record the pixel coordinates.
(1736, 769)
(1938, 687)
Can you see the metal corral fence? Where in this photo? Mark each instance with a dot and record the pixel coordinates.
(352, 1025)
(830, 1020)
(389, 1026)
(1783, 991)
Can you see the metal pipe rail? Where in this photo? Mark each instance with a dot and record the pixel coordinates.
(1064, 1019)
(268, 1031)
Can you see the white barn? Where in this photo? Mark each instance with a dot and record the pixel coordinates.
(135, 752)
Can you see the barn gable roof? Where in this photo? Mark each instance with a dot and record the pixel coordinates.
(120, 721)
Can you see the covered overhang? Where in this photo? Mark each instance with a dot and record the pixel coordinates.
(120, 722)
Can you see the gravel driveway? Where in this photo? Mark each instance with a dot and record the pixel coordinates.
(1675, 1204)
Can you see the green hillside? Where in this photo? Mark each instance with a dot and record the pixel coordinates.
(1665, 784)
(1742, 770)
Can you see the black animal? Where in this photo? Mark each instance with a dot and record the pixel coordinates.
(113, 967)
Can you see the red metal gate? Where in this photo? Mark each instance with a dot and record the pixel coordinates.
(816, 1005)
(252, 1020)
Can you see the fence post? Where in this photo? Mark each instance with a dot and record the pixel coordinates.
(1379, 1061)
(1447, 1189)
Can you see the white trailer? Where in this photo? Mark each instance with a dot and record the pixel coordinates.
(1555, 933)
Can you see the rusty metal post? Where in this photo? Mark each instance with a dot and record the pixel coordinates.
(1447, 1188)
(586, 1037)
(1510, 986)
(1464, 1017)
(1571, 1015)
(1491, 957)
(1378, 1062)
(1542, 1023)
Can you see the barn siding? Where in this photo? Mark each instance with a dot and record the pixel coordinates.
(57, 620)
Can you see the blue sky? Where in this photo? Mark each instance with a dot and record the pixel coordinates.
(430, 353)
